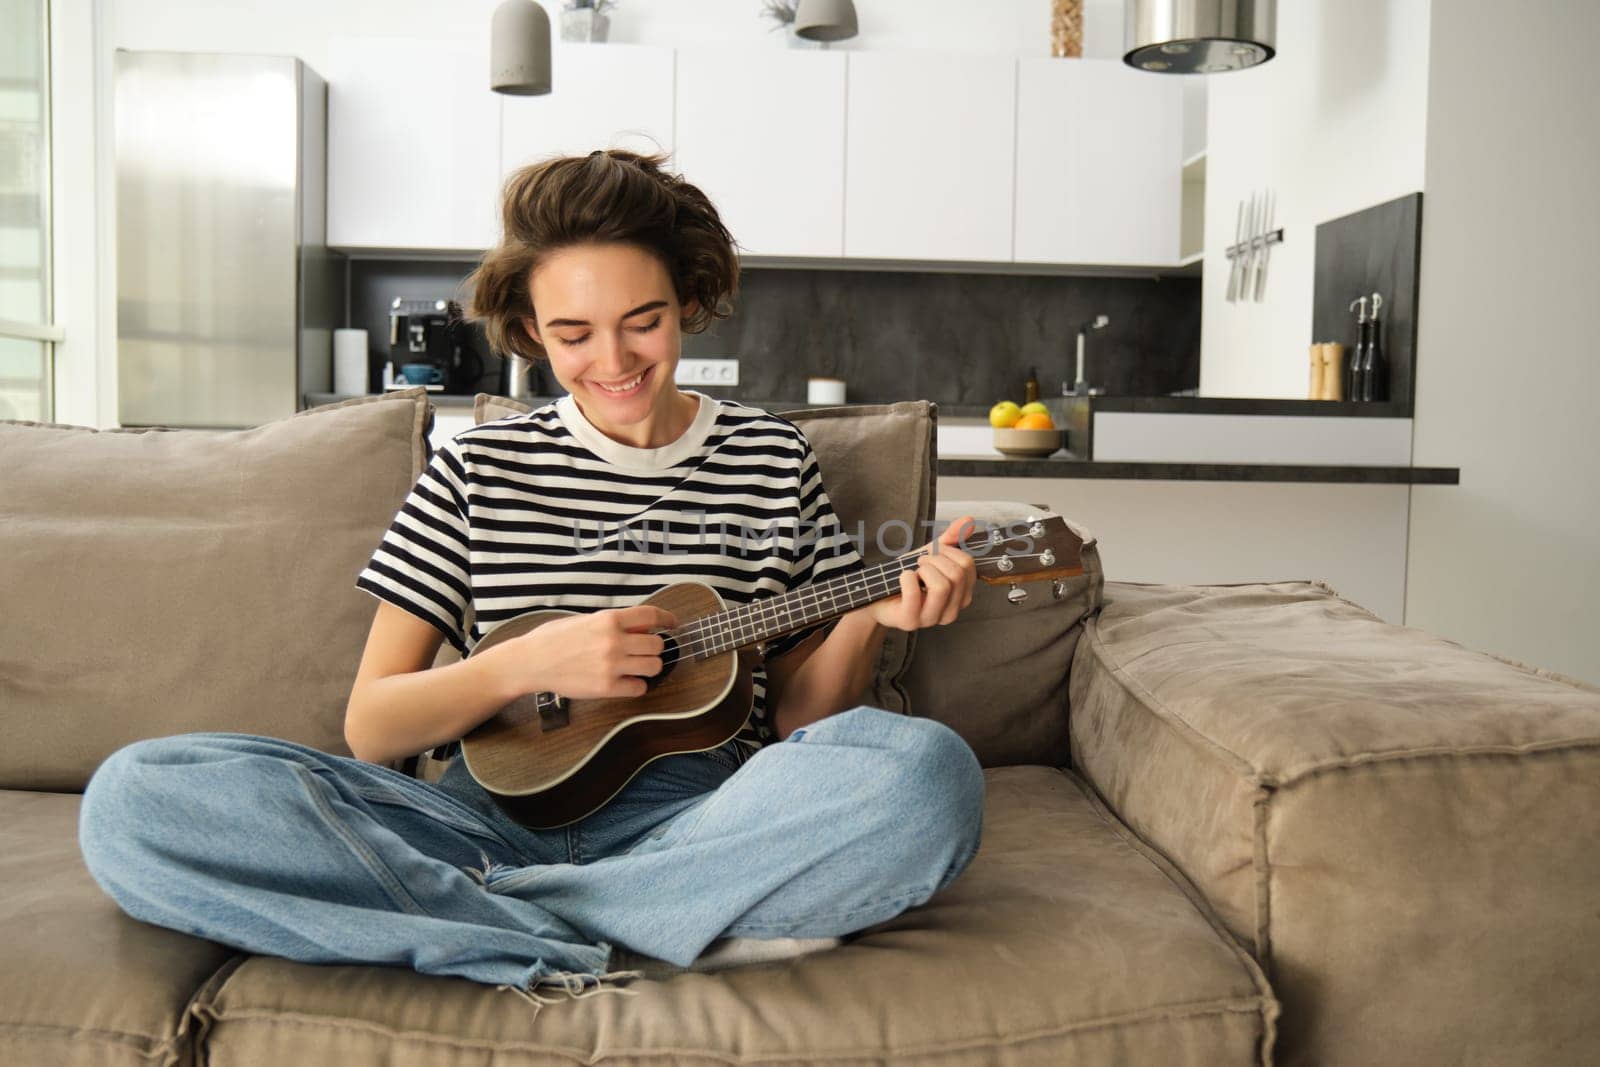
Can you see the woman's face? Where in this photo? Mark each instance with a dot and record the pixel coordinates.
(610, 321)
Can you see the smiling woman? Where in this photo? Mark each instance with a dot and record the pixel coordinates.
(587, 508)
(605, 260)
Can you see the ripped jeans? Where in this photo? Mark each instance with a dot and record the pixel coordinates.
(279, 849)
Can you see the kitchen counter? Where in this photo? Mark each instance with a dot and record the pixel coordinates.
(961, 457)
(1199, 405)
(456, 401)
(1067, 465)
(1205, 439)
(1245, 405)
(1192, 405)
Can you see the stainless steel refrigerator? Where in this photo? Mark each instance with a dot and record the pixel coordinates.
(226, 293)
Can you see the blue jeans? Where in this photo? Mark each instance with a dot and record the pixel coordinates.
(282, 850)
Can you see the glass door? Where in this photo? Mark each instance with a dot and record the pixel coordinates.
(27, 332)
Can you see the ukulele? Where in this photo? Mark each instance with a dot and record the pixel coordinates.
(548, 760)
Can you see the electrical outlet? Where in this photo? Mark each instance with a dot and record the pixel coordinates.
(720, 372)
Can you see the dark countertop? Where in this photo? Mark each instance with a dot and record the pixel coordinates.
(1191, 405)
(1246, 405)
(457, 401)
(1066, 465)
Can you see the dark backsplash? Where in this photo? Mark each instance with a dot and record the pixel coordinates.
(1375, 250)
(957, 339)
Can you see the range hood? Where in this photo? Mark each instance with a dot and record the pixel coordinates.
(1199, 36)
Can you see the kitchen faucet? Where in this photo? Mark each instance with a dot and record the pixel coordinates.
(1079, 386)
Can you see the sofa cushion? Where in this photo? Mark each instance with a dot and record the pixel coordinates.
(82, 983)
(1388, 818)
(1066, 942)
(167, 581)
(878, 464)
(998, 674)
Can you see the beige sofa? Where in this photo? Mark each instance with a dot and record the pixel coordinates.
(1271, 829)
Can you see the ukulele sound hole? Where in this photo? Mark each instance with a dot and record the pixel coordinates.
(669, 657)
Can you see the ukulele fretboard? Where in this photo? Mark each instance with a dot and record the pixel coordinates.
(778, 615)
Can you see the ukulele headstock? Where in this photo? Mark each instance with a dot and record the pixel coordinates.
(1025, 550)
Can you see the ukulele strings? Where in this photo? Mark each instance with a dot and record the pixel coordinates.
(690, 639)
(700, 636)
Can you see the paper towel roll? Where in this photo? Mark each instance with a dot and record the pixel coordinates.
(350, 362)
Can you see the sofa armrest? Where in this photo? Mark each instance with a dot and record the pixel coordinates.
(1403, 830)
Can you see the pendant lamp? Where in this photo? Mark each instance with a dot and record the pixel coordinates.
(825, 20)
(519, 49)
(1199, 36)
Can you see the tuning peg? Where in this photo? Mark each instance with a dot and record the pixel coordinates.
(1058, 588)
(1017, 594)
(1047, 558)
(1003, 564)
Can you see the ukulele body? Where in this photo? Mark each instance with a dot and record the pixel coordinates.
(548, 766)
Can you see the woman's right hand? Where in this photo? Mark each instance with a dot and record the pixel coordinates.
(606, 653)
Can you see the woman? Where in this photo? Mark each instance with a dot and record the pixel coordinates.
(855, 816)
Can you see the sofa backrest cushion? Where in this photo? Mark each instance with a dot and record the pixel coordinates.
(998, 674)
(169, 581)
(878, 465)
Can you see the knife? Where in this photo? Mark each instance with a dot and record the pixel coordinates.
(1237, 258)
(1252, 224)
(1266, 248)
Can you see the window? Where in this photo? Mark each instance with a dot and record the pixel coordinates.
(27, 333)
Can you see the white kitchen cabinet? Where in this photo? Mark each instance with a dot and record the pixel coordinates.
(601, 96)
(762, 134)
(928, 156)
(413, 144)
(1099, 163)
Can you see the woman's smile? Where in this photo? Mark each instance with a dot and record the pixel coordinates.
(623, 388)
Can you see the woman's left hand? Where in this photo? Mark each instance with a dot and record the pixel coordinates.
(933, 593)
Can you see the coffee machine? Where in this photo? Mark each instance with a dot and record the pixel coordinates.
(435, 334)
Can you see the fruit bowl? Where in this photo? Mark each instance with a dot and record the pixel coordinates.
(1026, 442)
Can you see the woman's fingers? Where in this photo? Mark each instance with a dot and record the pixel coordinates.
(911, 597)
(643, 644)
(645, 617)
(963, 572)
(939, 579)
(642, 666)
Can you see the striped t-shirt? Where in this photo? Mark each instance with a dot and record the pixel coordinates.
(542, 511)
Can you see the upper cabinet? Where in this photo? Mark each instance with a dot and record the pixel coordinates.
(928, 158)
(886, 156)
(762, 134)
(413, 144)
(1099, 163)
(601, 96)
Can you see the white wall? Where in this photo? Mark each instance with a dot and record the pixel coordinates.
(87, 31)
(1509, 560)
(1198, 533)
(1333, 124)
